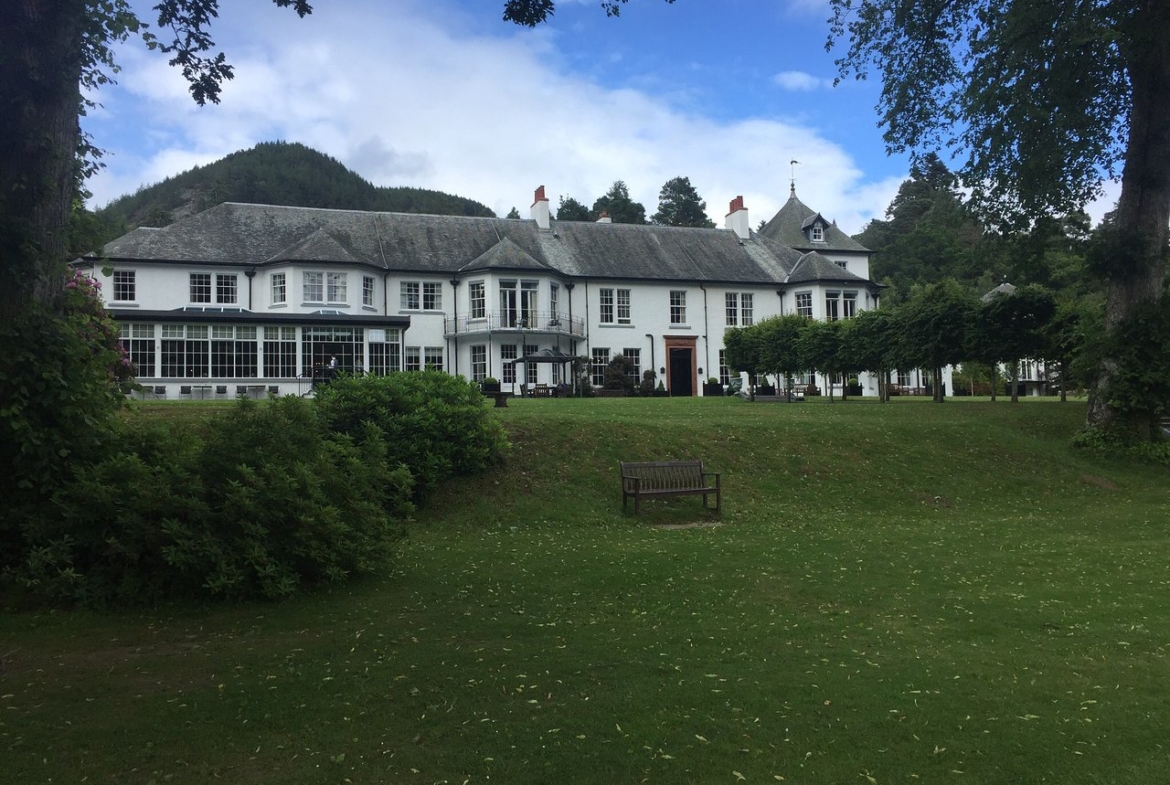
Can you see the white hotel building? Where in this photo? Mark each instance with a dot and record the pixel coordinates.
(257, 298)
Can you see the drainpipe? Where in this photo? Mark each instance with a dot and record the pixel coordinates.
(250, 274)
(453, 357)
(706, 337)
(653, 364)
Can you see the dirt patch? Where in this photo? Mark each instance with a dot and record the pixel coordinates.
(1098, 482)
(935, 501)
(694, 525)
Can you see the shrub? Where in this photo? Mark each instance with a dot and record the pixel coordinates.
(435, 424)
(264, 504)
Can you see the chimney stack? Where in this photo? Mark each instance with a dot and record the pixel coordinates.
(540, 212)
(737, 219)
(604, 218)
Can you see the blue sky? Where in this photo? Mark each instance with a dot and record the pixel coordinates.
(442, 94)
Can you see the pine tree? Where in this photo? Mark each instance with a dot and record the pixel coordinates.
(679, 205)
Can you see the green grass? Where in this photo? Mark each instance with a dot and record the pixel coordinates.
(897, 594)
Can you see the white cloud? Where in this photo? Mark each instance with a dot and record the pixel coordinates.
(423, 98)
(799, 81)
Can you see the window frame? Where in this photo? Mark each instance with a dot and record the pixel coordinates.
(128, 285)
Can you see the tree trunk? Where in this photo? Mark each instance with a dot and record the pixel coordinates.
(1015, 380)
(1143, 209)
(936, 376)
(40, 69)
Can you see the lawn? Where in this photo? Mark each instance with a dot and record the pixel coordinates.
(894, 594)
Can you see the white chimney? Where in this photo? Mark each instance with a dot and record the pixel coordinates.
(737, 219)
(540, 209)
(604, 218)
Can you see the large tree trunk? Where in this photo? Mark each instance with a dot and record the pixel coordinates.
(40, 70)
(1143, 210)
(1014, 368)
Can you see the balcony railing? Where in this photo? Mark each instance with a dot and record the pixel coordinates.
(536, 323)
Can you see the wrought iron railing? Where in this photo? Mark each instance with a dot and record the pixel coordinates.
(545, 323)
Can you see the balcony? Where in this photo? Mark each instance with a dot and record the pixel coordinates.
(535, 323)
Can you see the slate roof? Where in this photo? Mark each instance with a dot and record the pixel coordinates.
(814, 267)
(790, 224)
(260, 235)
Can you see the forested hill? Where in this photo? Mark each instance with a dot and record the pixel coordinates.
(273, 173)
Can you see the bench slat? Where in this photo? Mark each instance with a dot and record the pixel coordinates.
(668, 478)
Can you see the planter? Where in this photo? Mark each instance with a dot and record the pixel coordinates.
(853, 389)
(489, 387)
(766, 389)
(712, 389)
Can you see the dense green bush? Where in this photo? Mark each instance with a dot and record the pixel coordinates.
(262, 502)
(59, 378)
(434, 423)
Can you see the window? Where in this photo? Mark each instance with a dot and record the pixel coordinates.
(832, 303)
(478, 363)
(599, 359)
(226, 289)
(368, 290)
(554, 293)
(336, 288)
(475, 291)
(432, 299)
(842, 265)
(531, 368)
(507, 354)
(724, 371)
(606, 316)
(635, 358)
(518, 306)
(731, 306)
(849, 305)
(903, 378)
(678, 307)
(413, 358)
(314, 287)
(433, 357)
(279, 289)
(385, 348)
(615, 306)
(124, 285)
(137, 341)
(280, 351)
(804, 304)
(747, 309)
(200, 287)
(409, 295)
(818, 233)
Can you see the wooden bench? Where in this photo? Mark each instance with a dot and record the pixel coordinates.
(669, 478)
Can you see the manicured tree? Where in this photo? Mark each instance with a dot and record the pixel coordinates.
(1015, 323)
(819, 346)
(743, 352)
(780, 353)
(934, 328)
(1064, 339)
(869, 345)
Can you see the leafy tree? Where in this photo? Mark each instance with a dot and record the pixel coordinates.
(569, 209)
(780, 346)
(1065, 339)
(935, 325)
(679, 205)
(1015, 328)
(1046, 99)
(928, 234)
(513, 213)
(819, 347)
(617, 204)
(530, 13)
(868, 345)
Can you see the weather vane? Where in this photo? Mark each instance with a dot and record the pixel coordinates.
(792, 183)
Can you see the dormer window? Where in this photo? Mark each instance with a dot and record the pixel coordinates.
(818, 233)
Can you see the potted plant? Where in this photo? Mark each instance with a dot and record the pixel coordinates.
(712, 387)
(490, 385)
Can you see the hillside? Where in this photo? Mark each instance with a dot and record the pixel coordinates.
(273, 173)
